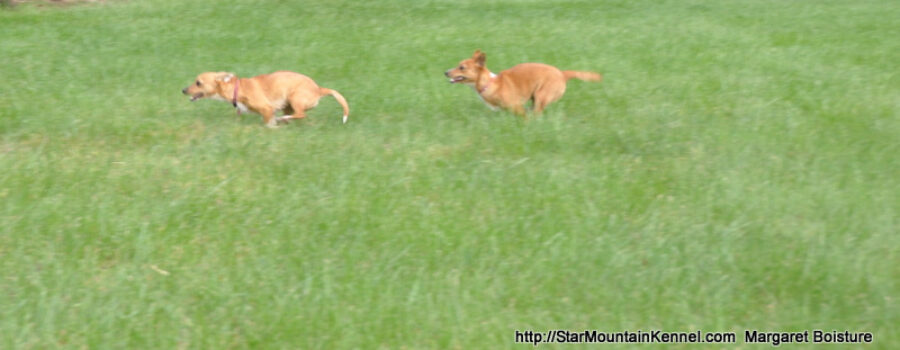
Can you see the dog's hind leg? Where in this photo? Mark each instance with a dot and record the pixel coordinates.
(298, 114)
(546, 95)
(287, 111)
(297, 106)
(539, 105)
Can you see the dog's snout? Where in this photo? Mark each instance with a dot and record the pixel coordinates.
(184, 91)
(447, 74)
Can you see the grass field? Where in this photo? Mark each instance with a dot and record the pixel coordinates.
(736, 170)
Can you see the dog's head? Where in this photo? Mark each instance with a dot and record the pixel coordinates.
(208, 84)
(468, 70)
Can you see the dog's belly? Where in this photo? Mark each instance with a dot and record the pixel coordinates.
(278, 104)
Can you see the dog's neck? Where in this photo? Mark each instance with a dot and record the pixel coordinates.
(484, 81)
(234, 85)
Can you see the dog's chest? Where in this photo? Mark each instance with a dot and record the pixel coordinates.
(488, 103)
(492, 102)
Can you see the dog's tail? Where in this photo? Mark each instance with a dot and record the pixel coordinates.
(586, 76)
(339, 98)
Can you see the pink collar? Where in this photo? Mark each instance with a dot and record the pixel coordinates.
(237, 85)
(484, 88)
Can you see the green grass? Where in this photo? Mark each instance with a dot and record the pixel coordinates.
(736, 170)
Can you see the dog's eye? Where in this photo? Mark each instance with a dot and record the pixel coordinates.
(462, 68)
(198, 83)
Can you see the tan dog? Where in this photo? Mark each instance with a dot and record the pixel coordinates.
(542, 84)
(293, 93)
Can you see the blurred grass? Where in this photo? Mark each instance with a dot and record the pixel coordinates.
(736, 170)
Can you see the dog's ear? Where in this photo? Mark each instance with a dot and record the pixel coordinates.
(224, 77)
(479, 57)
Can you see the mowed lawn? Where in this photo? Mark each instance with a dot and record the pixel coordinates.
(737, 169)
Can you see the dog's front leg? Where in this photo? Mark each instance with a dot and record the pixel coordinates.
(268, 116)
(518, 110)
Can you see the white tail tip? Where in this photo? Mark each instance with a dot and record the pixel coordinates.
(345, 119)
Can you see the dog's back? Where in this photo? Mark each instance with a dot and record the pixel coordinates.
(527, 77)
(285, 82)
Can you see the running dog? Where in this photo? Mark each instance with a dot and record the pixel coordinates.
(542, 84)
(292, 93)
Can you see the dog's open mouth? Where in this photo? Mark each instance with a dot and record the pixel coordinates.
(457, 79)
(196, 96)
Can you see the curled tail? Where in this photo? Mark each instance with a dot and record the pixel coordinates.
(340, 98)
(586, 76)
